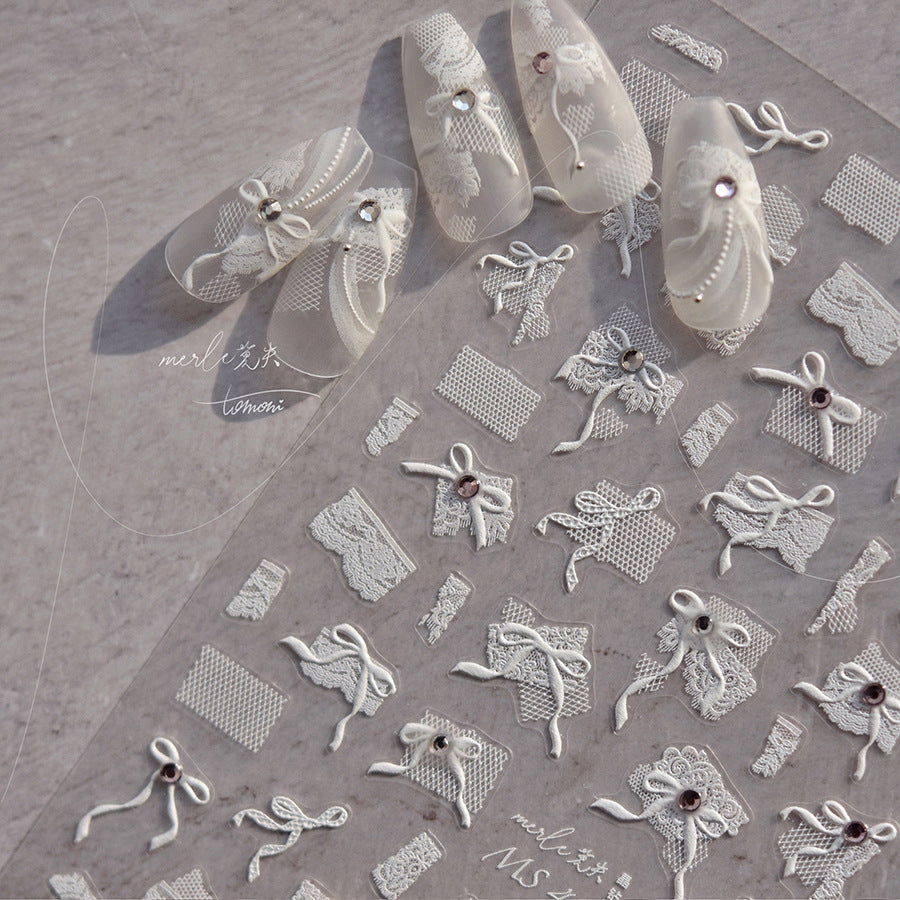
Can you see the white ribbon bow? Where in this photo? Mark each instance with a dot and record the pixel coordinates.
(525, 259)
(166, 754)
(294, 823)
(558, 662)
(774, 503)
(458, 750)
(690, 607)
(771, 114)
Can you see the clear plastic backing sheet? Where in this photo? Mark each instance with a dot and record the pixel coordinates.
(532, 831)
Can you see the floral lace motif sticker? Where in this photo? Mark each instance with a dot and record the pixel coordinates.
(707, 55)
(785, 219)
(340, 658)
(863, 697)
(686, 801)
(263, 585)
(755, 513)
(457, 763)
(865, 195)
(654, 95)
(452, 594)
(396, 418)
(398, 873)
(783, 740)
(547, 662)
(372, 560)
(705, 433)
(728, 341)
(717, 646)
(309, 890)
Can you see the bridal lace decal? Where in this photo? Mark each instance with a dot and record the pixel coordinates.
(398, 873)
(255, 597)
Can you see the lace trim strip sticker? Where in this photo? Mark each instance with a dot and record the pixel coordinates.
(398, 873)
(707, 55)
(490, 394)
(262, 586)
(190, 886)
(728, 341)
(705, 433)
(782, 740)
(372, 560)
(231, 698)
(309, 890)
(451, 596)
(396, 418)
(72, 886)
(654, 95)
(865, 195)
(785, 218)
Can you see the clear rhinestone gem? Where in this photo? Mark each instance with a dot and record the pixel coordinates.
(690, 800)
(702, 624)
(632, 359)
(170, 773)
(855, 832)
(874, 693)
(463, 100)
(467, 486)
(725, 187)
(440, 742)
(542, 62)
(820, 398)
(269, 209)
(368, 211)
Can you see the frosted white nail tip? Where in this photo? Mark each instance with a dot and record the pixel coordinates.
(715, 248)
(579, 113)
(464, 137)
(250, 231)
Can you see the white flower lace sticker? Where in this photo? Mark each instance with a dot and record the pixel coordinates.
(631, 226)
(785, 219)
(72, 886)
(826, 847)
(865, 195)
(622, 357)
(372, 560)
(467, 498)
(309, 890)
(653, 94)
(707, 55)
(231, 698)
(812, 415)
(340, 658)
(398, 873)
(288, 820)
(521, 282)
(391, 424)
(190, 886)
(262, 586)
(716, 644)
(869, 323)
(728, 341)
(863, 697)
(488, 393)
(755, 513)
(686, 801)
(460, 764)
(547, 662)
(782, 740)
(613, 527)
(705, 433)
(840, 612)
(451, 596)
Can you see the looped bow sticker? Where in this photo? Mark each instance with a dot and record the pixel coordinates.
(774, 129)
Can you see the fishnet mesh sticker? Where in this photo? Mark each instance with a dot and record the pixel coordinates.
(865, 195)
(230, 221)
(705, 433)
(231, 698)
(653, 94)
(255, 597)
(782, 740)
(462, 228)
(491, 395)
(220, 289)
(622, 172)
(785, 219)
(190, 886)
(398, 873)
(391, 424)
(451, 596)
(306, 280)
(707, 55)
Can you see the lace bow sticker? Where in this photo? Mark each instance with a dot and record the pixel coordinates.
(686, 801)
(631, 226)
(398, 873)
(547, 662)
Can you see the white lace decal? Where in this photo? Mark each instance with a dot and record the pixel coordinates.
(704, 434)
(783, 740)
(623, 357)
(340, 658)
(190, 886)
(231, 698)
(755, 513)
(452, 594)
(547, 662)
(373, 562)
(812, 415)
(488, 393)
(309, 890)
(863, 697)
(398, 873)
(457, 763)
(785, 219)
(630, 226)
(466, 497)
(865, 195)
(869, 323)
(396, 418)
(840, 612)
(728, 341)
(774, 129)
(263, 585)
(521, 282)
(653, 94)
(686, 801)
(289, 820)
(829, 846)
(613, 527)
(170, 773)
(72, 886)
(707, 55)
(717, 645)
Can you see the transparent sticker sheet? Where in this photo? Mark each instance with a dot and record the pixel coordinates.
(535, 834)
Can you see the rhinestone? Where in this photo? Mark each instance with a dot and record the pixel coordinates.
(698, 298)
(542, 62)
(702, 624)
(368, 211)
(874, 694)
(725, 187)
(855, 832)
(820, 398)
(463, 100)
(170, 773)
(269, 210)
(579, 164)
(467, 486)
(632, 359)
(440, 742)
(690, 800)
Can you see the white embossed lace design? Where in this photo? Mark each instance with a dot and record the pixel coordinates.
(451, 596)
(631, 226)
(391, 424)
(782, 740)
(398, 873)
(488, 393)
(841, 612)
(71, 886)
(309, 890)
(231, 698)
(785, 218)
(705, 432)
(728, 341)
(869, 323)
(865, 195)
(373, 562)
(262, 586)
(613, 527)
(707, 55)
(653, 94)
(190, 886)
